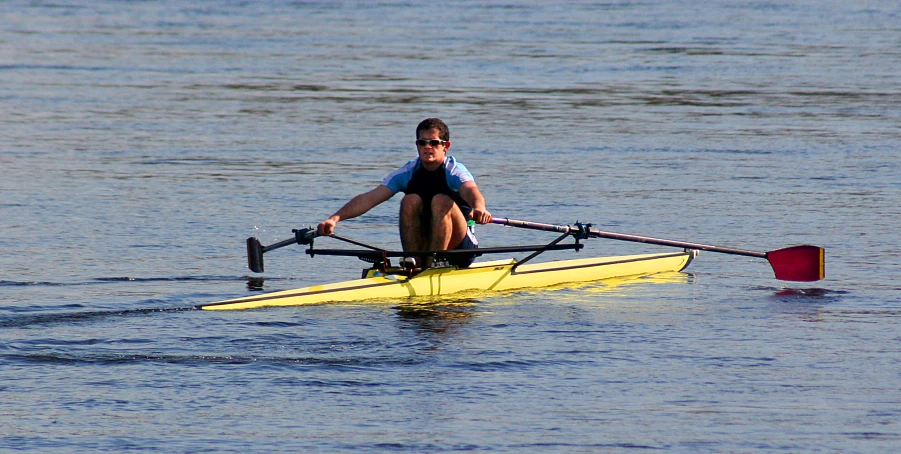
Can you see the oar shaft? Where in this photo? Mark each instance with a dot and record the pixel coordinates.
(445, 253)
(532, 225)
(624, 237)
(282, 243)
(682, 244)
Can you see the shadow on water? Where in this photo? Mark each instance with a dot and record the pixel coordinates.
(112, 358)
(787, 293)
(255, 283)
(805, 297)
(113, 280)
(29, 320)
(810, 304)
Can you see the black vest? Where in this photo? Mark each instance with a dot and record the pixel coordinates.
(427, 184)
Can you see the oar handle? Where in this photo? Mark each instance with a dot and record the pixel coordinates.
(586, 231)
(532, 225)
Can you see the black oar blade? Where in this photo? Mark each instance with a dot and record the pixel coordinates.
(798, 263)
(254, 255)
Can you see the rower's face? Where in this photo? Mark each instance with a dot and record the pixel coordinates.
(432, 156)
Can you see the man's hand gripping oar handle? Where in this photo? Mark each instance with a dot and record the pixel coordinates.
(796, 263)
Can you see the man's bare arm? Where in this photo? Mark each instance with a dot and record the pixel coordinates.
(471, 194)
(357, 206)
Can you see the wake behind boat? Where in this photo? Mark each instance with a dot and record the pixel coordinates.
(384, 281)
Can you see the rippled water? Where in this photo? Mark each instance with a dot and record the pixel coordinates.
(141, 142)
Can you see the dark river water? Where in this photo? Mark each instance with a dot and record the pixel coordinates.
(142, 142)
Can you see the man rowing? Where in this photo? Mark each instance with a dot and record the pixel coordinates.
(441, 201)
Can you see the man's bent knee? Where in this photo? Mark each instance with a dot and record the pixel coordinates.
(411, 203)
(442, 204)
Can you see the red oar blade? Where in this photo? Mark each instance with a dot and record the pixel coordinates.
(798, 263)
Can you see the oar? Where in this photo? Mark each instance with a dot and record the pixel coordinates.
(797, 263)
(255, 249)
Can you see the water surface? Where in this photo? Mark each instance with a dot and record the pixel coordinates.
(143, 141)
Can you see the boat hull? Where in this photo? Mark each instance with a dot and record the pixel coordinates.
(496, 275)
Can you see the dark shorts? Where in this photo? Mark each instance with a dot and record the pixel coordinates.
(464, 260)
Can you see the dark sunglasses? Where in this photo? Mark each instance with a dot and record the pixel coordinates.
(432, 142)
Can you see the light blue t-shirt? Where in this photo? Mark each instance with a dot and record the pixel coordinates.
(456, 174)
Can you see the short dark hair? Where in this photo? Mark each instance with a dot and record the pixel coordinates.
(434, 123)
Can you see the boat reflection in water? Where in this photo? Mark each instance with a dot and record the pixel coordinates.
(441, 316)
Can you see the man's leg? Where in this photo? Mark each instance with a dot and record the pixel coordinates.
(413, 235)
(448, 224)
